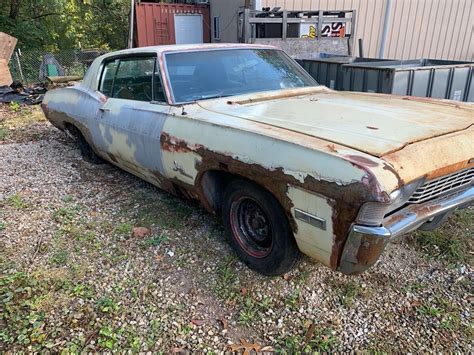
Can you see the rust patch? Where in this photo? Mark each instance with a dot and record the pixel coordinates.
(332, 148)
(388, 167)
(101, 97)
(446, 170)
(435, 101)
(281, 95)
(360, 160)
(344, 199)
(369, 251)
(172, 144)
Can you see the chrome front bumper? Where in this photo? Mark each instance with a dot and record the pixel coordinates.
(365, 244)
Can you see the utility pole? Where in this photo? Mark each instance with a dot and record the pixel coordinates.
(386, 25)
(132, 23)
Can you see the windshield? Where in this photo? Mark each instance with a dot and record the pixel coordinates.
(218, 73)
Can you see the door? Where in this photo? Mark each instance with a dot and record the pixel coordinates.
(188, 28)
(131, 120)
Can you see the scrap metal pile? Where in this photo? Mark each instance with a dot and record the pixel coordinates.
(16, 92)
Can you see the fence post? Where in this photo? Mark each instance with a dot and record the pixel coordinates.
(17, 57)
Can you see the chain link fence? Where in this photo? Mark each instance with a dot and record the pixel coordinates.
(33, 66)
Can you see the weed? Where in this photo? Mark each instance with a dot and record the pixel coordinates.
(3, 225)
(59, 257)
(15, 106)
(348, 292)
(319, 339)
(265, 304)
(154, 332)
(83, 291)
(23, 319)
(123, 228)
(225, 287)
(65, 215)
(155, 240)
(3, 133)
(68, 198)
(17, 202)
(107, 337)
(107, 305)
(186, 329)
(292, 300)
(248, 313)
(429, 310)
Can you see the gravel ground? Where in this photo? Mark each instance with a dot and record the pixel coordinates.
(76, 275)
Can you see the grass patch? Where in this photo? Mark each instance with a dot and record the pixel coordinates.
(225, 287)
(107, 305)
(123, 228)
(312, 338)
(59, 257)
(347, 291)
(66, 214)
(3, 133)
(155, 241)
(17, 202)
(452, 241)
(24, 301)
(167, 212)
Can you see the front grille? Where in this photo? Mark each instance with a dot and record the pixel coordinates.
(442, 185)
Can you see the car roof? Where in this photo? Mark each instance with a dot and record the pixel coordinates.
(187, 47)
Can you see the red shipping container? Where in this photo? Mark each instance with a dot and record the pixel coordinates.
(155, 23)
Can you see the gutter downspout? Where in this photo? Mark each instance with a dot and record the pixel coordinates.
(383, 41)
(132, 23)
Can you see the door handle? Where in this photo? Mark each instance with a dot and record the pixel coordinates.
(102, 109)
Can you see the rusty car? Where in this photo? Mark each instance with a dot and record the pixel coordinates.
(291, 166)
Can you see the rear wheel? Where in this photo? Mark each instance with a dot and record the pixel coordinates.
(258, 229)
(86, 150)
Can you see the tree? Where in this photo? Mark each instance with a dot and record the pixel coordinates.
(65, 24)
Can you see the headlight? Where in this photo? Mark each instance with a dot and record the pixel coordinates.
(373, 213)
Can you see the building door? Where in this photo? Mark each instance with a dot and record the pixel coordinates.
(188, 28)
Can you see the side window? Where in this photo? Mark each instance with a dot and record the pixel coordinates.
(160, 95)
(108, 76)
(129, 78)
(133, 80)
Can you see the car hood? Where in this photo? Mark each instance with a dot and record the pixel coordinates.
(372, 123)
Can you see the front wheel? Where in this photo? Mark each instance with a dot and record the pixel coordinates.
(258, 229)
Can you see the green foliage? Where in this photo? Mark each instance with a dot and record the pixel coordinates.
(61, 24)
(452, 241)
(124, 228)
(15, 106)
(107, 305)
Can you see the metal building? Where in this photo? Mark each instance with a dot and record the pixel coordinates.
(400, 29)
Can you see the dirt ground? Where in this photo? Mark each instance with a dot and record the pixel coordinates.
(74, 277)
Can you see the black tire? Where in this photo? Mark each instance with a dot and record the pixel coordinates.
(258, 230)
(87, 152)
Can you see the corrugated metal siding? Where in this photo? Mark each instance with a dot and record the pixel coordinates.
(439, 29)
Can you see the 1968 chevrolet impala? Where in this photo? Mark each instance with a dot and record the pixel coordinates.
(290, 165)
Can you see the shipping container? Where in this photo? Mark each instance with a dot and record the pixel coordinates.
(162, 23)
(442, 79)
